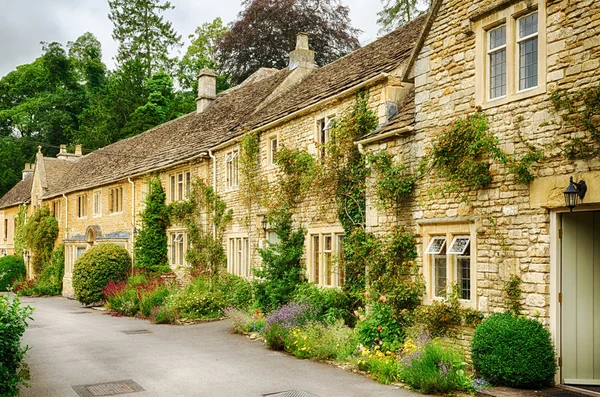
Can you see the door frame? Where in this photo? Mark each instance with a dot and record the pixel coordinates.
(555, 311)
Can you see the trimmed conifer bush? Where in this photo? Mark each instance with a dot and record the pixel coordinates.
(513, 351)
(96, 268)
(11, 269)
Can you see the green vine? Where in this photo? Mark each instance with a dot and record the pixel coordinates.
(20, 240)
(40, 233)
(512, 295)
(394, 183)
(580, 109)
(249, 163)
(205, 215)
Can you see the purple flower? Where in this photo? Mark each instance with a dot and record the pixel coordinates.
(291, 316)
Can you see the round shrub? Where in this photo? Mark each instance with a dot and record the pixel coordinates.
(96, 268)
(11, 268)
(513, 351)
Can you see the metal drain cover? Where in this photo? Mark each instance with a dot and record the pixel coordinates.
(108, 389)
(81, 312)
(136, 332)
(291, 393)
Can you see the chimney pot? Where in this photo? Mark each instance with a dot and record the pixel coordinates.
(27, 171)
(63, 149)
(207, 89)
(302, 41)
(78, 150)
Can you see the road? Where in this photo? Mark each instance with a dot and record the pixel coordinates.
(73, 347)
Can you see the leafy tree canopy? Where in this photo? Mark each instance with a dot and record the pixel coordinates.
(242, 50)
(399, 12)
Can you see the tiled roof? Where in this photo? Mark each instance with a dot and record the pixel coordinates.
(19, 194)
(381, 56)
(404, 118)
(169, 143)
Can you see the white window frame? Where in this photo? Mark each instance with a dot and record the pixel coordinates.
(239, 256)
(270, 152)
(180, 185)
(178, 246)
(518, 41)
(82, 206)
(490, 52)
(450, 233)
(97, 203)
(232, 169)
(115, 200)
(324, 266)
(323, 132)
(509, 16)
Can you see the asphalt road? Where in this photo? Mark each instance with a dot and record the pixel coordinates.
(75, 346)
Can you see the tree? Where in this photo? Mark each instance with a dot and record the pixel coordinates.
(266, 30)
(86, 55)
(143, 34)
(11, 164)
(399, 12)
(202, 53)
(151, 243)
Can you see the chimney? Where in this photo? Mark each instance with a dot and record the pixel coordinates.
(28, 171)
(78, 150)
(207, 89)
(65, 155)
(302, 57)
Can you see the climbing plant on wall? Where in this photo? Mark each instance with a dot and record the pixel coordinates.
(20, 241)
(206, 216)
(40, 233)
(249, 166)
(151, 243)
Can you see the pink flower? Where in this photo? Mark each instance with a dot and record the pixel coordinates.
(382, 299)
(367, 294)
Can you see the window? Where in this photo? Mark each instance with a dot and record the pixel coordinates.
(56, 209)
(5, 229)
(231, 166)
(325, 259)
(82, 206)
(179, 245)
(181, 185)
(272, 150)
(510, 54)
(324, 132)
(238, 256)
(115, 200)
(448, 258)
(97, 203)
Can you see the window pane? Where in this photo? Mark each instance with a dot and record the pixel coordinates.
(497, 37)
(440, 276)
(528, 63)
(498, 73)
(188, 183)
(463, 276)
(173, 251)
(173, 188)
(528, 25)
(315, 261)
(180, 251)
(459, 245)
(247, 257)
(327, 260)
(340, 254)
(436, 245)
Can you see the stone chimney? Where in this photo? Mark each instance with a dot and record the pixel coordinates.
(207, 89)
(78, 150)
(28, 171)
(302, 57)
(65, 155)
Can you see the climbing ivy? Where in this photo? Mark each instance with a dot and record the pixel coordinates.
(20, 240)
(40, 234)
(394, 182)
(249, 166)
(205, 215)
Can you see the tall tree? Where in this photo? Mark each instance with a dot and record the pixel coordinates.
(86, 55)
(202, 53)
(143, 34)
(265, 32)
(399, 12)
(11, 164)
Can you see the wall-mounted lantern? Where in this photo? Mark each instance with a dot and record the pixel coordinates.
(574, 191)
(263, 223)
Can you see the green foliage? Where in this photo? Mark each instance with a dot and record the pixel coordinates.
(51, 280)
(330, 304)
(96, 268)
(20, 240)
(151, 242)
(12, 268)
(143, 34)
(512, 295)
(380, 327)
(245, 322)
(513, 351)
(521, 167)
(40, 233)
(435, 368)
(282, 268)
(13, 370)
(382, 366)
(249, 165)
(462, 154)
(202, 53)
(334, 341)
(398, 12)
(296, 173)
(394, 183)
(205, 215)
(11, 164)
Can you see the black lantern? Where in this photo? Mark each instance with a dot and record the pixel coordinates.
(573, 191)
(263, 223)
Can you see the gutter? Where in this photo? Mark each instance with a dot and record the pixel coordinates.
(384, 136)
(307, 109)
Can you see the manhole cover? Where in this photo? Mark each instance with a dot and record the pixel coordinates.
(137, 332)
(108, 389)
(81, 312)
(291, 393)
(35, 326)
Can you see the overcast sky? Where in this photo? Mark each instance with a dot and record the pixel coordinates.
(24, 23)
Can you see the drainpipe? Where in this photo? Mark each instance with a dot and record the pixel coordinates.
(66, 216)
(132, 220)
(214, 159)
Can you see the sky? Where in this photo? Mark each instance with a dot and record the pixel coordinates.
(24, 23)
